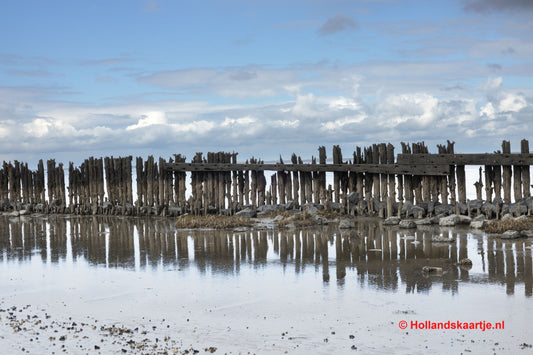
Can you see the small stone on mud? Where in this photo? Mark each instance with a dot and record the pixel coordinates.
(432, 269)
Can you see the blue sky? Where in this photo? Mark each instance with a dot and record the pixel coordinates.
(263, 78)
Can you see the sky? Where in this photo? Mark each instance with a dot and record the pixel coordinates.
(262, 78)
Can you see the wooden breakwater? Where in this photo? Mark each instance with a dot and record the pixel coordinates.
(372, 181)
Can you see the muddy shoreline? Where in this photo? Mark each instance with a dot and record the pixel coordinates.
(140, 285)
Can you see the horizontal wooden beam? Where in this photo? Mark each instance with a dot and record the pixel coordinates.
(401, 169)
(467, 159)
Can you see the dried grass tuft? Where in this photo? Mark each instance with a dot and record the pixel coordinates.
(213, 222)
(510, 224)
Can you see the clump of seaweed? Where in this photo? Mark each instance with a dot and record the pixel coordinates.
(518, 225)
(212, 222)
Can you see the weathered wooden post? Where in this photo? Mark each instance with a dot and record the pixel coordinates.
(407, 179)
(391, 198)
(524, 150)
(235, 197)
(382, 149)
(479, 185)
(489, 177)
(273, 188)
(507, 173)
(517, 182)
(295, 181)
(442, 180)
(369, 180)
(375, 176)
(322, 176)
(337, 159)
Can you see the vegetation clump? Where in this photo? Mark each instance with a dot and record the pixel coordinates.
(212, 222)
(298, 220)
(518, 225)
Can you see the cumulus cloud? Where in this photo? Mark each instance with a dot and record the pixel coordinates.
(336, 24)
(312, 110)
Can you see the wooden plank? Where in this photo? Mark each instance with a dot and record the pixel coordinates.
(412, 169)
(467, 159)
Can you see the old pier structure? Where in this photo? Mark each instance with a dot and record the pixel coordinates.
(372, 181)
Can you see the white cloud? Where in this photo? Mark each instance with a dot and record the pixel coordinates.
(300, 121)
(512, 103)
(419, 109)
(488, 111)
(342, 122)
(243, 121)
(492, 84)
(150, 119)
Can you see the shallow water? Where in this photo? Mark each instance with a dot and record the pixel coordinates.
(319, 290)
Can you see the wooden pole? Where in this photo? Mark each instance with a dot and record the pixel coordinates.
(507, 174)
(526, 174)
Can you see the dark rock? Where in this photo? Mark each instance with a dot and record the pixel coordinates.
(475, 204)
(353, 197)
(391, 221)
(489, 209)
(290, 205)
(527, 233)
(505, 209)
(335, 206)
(445, 209)
(268, 208)
(247, 213)
(423, 205)
(346, 224)
(407, 224)
(320, 219)
(432, 270)
(418, 212)
(497, 202)
(518, 209)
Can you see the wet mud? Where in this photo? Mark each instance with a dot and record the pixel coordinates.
(136, 285)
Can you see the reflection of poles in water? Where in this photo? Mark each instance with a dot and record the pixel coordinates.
(520, 261)
(528, 269)
(340, 252)
(322, 252)
(283, 247)
(463, 254)
(159, 244)
(500, 264)
(298, 254)
(509, 269)
(510, 262)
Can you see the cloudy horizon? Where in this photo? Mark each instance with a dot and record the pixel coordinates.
(158, 77)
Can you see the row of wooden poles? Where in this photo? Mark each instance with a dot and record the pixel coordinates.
(101, 184)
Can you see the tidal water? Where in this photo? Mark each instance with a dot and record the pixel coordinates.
(317, 290)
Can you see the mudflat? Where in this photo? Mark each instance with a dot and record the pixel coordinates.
(140, 285)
